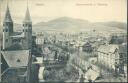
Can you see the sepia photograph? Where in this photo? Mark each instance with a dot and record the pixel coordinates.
(62, 41)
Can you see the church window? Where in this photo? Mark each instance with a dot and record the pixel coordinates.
(30, 26)
(23, 30)
(18, 60)
(3, 24)
(8, 24)
(3, 30)
(26, 30)
(6, 30)
(24, 25)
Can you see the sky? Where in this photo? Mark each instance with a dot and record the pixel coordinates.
(45, 10)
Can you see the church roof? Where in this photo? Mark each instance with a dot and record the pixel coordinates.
(16, 58)
(27, 16)
(7, 15)
(17, 35)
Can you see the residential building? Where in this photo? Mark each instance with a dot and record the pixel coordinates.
(108, 55)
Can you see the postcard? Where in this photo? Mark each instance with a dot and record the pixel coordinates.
(63, 41)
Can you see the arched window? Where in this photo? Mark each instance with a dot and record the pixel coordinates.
(8, 24)
(3, 24)
(6, 30)
(30, 25)
(18, 60)
(25, 24)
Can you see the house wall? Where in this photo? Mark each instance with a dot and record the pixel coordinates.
(109, 59)
(39, 40)
(13, 76)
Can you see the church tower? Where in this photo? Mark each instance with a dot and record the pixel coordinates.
(7, 29)
(27, 30)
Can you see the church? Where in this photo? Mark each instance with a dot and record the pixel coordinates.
(16, 49)
(17, 40)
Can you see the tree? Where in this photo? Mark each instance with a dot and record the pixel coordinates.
(55, 56)
(82, 79)
(46, 74)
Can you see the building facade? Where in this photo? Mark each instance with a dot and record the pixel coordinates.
(108, 55)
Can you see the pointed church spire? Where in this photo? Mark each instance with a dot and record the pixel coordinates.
(27, 16)
(7, 15)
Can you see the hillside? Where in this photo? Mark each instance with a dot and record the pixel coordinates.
(119, 25)
(69, 24)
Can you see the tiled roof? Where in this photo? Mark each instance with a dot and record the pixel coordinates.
(91, 75)
(108, 48)
(16, 58)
